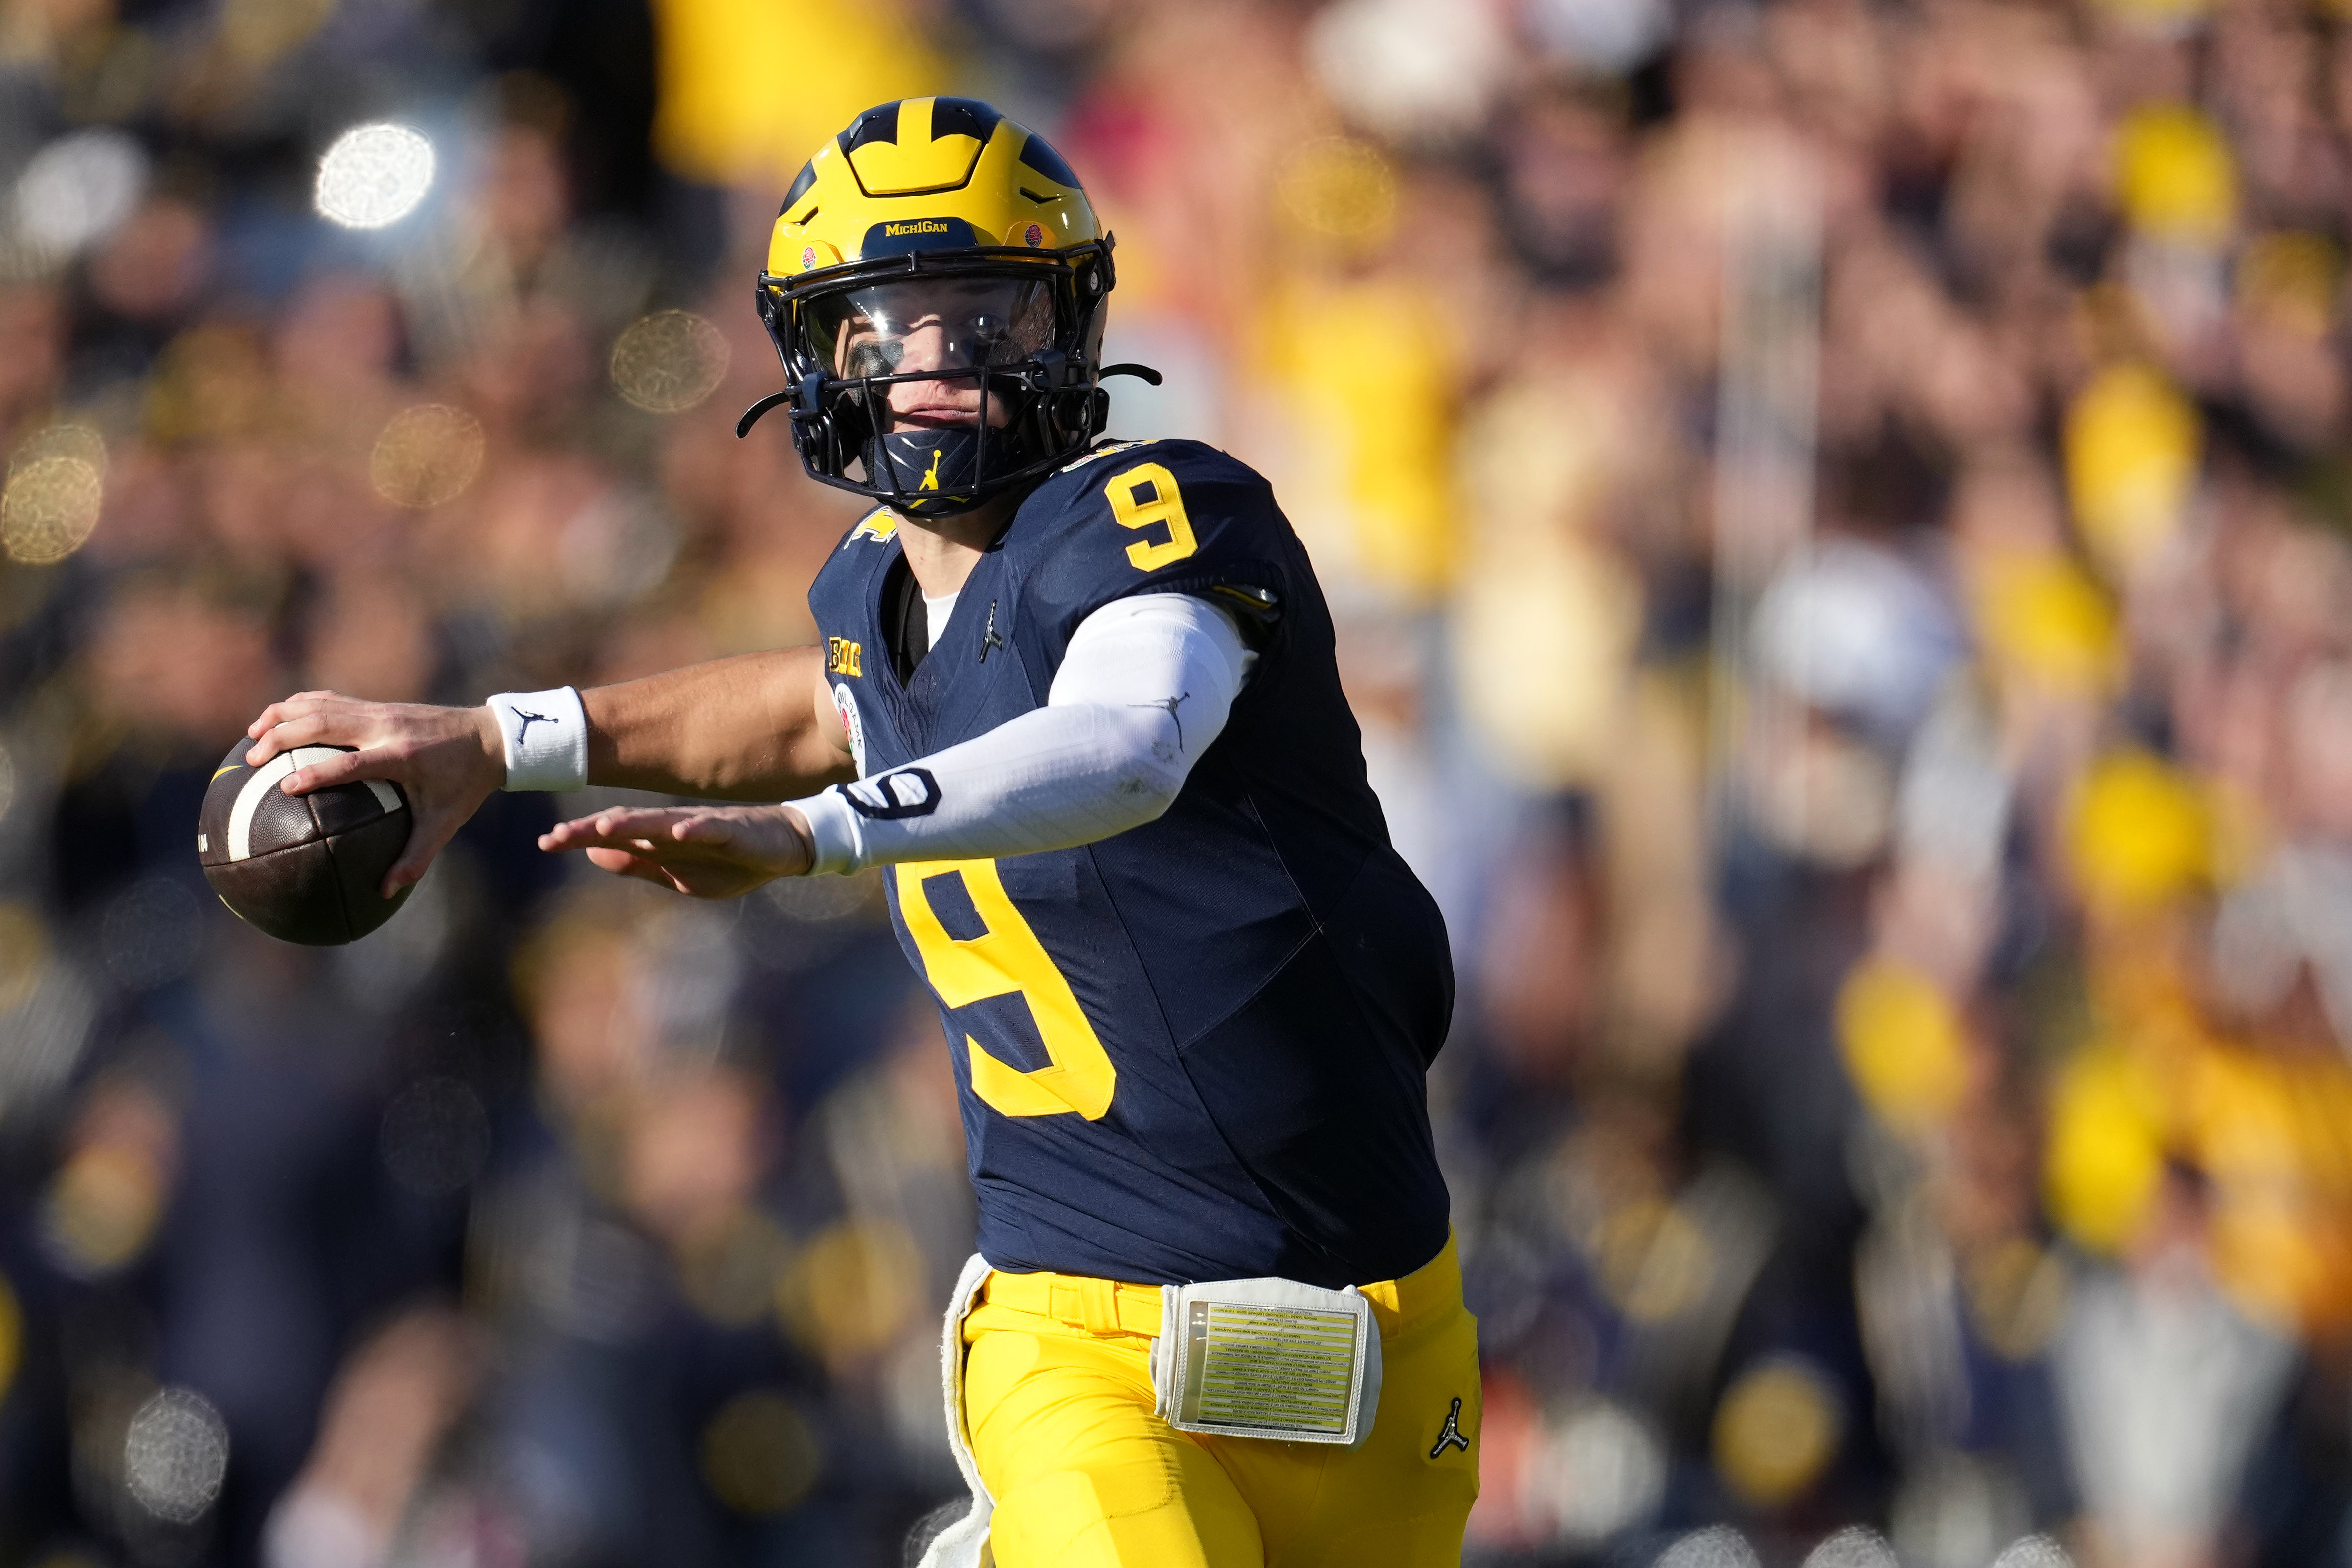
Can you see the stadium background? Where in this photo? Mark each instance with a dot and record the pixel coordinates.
(1838, 514)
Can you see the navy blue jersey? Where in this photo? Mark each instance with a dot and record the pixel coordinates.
(1193, 1050)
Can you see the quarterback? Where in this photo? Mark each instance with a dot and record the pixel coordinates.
(1078, 698)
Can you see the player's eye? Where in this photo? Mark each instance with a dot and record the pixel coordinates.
(876, 356)
(993, 341)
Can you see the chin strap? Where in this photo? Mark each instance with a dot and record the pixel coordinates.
(1142, 372)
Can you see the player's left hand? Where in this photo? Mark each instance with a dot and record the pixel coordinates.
(705, 852)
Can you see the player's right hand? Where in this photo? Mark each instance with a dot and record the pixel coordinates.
(448, 759)
(703, 851)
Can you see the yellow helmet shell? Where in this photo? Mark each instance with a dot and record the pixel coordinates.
(928, 174)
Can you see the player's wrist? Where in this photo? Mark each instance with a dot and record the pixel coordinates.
(800, 856)
(542, 739)
(483, 730)
(831, 830)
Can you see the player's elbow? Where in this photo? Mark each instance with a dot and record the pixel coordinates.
(1147, 769)
(1143, 791)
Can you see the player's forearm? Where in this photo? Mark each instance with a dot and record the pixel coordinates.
(1143, 691)
(1050, 779)
(744, 728)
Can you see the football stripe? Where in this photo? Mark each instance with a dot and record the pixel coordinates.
(256, 789)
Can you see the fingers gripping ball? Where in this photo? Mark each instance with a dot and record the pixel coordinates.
(304, 868)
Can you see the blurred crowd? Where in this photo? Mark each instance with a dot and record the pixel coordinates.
(1838, 518)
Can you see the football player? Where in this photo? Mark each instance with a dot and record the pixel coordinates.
(1079, 698)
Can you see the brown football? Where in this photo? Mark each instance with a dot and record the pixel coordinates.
(304, 868)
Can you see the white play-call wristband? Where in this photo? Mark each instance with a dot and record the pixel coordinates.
(546, 736)
(834, 846)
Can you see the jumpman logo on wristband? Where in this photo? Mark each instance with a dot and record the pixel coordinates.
(529, 718)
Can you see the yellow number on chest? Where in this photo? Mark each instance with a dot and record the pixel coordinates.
(1005, 958)
(1166, 507)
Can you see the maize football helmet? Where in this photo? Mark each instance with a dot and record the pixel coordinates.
(931, 251)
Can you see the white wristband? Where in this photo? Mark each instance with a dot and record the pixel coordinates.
(836, 846)
(546, 736)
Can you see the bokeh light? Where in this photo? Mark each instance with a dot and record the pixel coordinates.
(79, 188)
(1777, 1429)
(1955, 1510)
(49, 509)
(1857, 1546)
(2139, 832)
(759, 1454)
(1717, 1546)
(100, 1211)
(669, 361)
(176, 1455)
(1383, 64)
(65, 439)
(852, 1290)
(426, 455)
(1902, 1043)
(374, 175)
(1597, 1471)
(24, 953)
(2131, 446)
(2175, 176)
(2034, 1552)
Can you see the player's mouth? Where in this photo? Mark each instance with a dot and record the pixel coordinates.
(935, 418)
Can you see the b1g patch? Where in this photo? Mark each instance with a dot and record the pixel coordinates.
(846, 707)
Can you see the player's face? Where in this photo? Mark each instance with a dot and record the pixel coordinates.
(904, 329)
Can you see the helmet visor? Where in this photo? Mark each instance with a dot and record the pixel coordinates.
(935, 325)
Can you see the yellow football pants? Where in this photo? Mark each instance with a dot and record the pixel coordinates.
(1057, 1406)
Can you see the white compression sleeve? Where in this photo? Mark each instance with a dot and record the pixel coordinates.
(1145, 686)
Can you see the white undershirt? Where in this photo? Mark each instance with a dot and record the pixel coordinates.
(1144, 689)
(936, 610)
